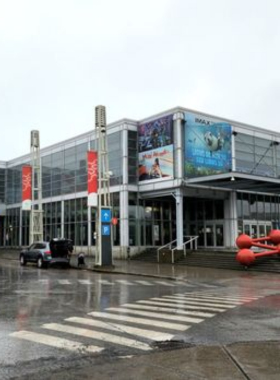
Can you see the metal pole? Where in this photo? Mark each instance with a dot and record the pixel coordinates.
(36, 215)
(104, 242)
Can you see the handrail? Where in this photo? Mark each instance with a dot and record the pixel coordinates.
(164, 246)
(189, 241)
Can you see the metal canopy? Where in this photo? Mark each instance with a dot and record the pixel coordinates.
(238, 181)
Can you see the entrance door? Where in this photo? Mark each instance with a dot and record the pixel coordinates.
(210, 234)
(257, 229)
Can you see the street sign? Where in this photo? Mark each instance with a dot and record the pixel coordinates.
(106, 215)
(105, 230)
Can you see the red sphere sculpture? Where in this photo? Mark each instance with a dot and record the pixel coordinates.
(244, 241)
(245, 257)
(275, 236)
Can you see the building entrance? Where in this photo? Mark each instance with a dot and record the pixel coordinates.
(205, 218)
(256, 229)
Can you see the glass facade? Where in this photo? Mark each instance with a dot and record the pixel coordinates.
(257, 214)
(13, 194)
(205, 218)
(2, 185)
(65, 172)
(115, 155)
(154, 222)
(257, 156)
(132, 157)
(142, 222)
(12, 232)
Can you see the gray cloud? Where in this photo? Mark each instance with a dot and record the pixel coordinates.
(61, 58)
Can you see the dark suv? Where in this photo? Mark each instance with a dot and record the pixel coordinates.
(46, 253)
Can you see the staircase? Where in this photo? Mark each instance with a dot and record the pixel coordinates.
(227, 260)
(216, 259)
(149, 255)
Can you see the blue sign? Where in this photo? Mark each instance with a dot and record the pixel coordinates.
(207, 146)
(106, 215)
(105, 230)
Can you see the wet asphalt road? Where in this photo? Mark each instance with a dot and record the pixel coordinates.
(60, 319)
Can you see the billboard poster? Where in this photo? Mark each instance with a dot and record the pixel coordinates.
(207, 146)
(26, 187)
(155, 149)
(92, 166)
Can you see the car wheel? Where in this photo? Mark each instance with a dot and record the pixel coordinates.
(22, 260)
(40, 263)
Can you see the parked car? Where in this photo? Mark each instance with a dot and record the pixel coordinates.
(46, 253)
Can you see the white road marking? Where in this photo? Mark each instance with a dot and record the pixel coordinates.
(85, 282)
(155, 315)
(169, 310)
(150, 334)
(54, 341)
(98, 335)
(209, 299)
(105, 282)
(124, 282)
(140, 321)
(225, 297)
(142, 282)
(64, 282)
(161, 302)
(199, 302)
(183, 283)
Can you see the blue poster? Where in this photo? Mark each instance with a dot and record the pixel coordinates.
(155, 150)
(207, 146)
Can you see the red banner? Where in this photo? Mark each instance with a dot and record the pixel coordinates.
(92, 165)
(26, 187)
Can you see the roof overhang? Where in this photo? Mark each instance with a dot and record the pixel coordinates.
(238, 182)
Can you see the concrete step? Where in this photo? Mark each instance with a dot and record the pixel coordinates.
(228, 261)
(217, 259)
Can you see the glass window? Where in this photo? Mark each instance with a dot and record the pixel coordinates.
(209, 214)
(219, 209)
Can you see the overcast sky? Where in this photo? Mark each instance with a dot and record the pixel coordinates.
(61, 58)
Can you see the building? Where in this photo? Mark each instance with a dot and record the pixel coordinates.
(176, 174)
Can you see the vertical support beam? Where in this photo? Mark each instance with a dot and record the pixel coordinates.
(124, 143)
(179, 175)
(62, 219)
(124, 226)
(233, 160)
(231, 222)
(179, 218)
(20, 226)
(178, 145)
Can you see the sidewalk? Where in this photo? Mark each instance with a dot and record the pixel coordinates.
(135, 267)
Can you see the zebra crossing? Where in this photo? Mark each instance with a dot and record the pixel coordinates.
(118, 282)
(134, 325)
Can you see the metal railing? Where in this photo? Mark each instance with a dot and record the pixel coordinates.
(168, 245)
(192, 241)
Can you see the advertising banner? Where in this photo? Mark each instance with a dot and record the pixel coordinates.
(92, 166)
(155, 151)
(26, 187)
(207, 146)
